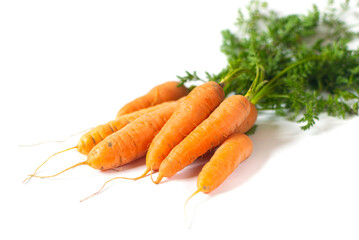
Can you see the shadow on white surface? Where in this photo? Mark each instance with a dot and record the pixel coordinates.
(327, 123)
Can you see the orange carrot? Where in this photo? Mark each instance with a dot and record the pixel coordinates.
(97, 134)
(167, 91)
(131, 142)
(222, 122)
(234, 150)
(127, 144)
(195, 107)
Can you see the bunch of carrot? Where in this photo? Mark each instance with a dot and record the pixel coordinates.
(173, 126)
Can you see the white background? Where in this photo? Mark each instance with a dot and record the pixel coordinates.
(66, 66)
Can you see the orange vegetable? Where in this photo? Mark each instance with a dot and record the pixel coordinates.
(234, 150)
(237, 148)
(127, 144)
(97, 134)
(167, 91)
(222, 122)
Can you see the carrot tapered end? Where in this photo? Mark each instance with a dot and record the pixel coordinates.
(158, 180)
(34, 174)
(54, 175)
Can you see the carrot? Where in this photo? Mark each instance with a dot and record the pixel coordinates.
(234, 150)
(222, 122)
(237, 148)
(131, 142)
(97, 134)
(194, 108)
(167, 91)
(127, 144)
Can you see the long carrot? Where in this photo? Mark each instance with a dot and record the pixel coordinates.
(97, 134)
(234, 150)
(222, 122)
(131, 142)
(195, 107)
(167, 91)
(127, 144)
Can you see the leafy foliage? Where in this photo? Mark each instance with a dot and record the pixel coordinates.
(306, 66)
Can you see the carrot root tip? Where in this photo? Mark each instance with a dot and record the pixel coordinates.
(158, 180)
(103, 186)
(185, 205)
(34, 173)
(54, 175)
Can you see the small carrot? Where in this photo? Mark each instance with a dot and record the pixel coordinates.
(234, 150)
(167, 91)
(127, 144)
(194, 108)
(222, 122)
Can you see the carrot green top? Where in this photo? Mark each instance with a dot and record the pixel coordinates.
(298, 65)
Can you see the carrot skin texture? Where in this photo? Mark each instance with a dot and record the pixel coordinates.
(167, 91)
(131, 142)
(234, 150)
(97, 134)
(222, 122)
(195, 108)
